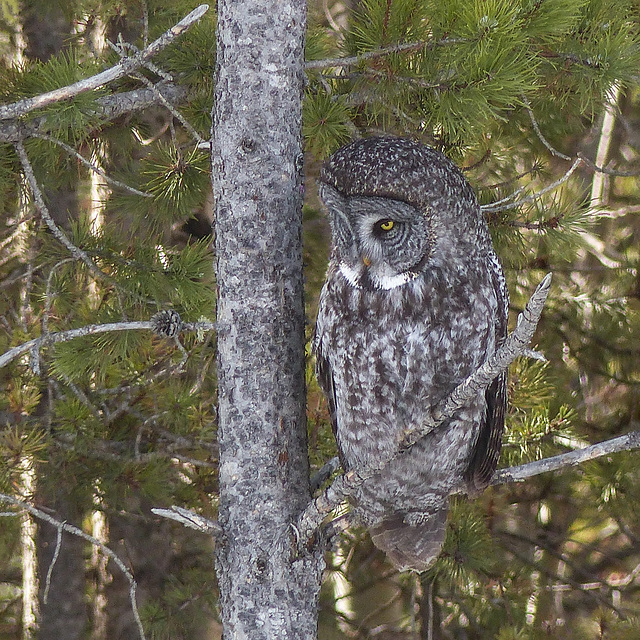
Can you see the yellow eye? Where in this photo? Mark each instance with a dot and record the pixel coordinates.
(386, 225)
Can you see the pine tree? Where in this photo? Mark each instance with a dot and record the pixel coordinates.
(106, 218)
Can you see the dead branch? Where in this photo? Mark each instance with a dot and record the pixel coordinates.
(88, 330)
(124, 67)
(628, 442)
(69, 528)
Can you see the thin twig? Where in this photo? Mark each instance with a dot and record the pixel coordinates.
(536, 128)
(64, 526)
(610, 172)
(515, 344)
(172, 110)
(379, 53)
(580, 159)
(534, 196)
(49, 297)
(90, 165)
(80, 394)
(628, 442)
(123, 68)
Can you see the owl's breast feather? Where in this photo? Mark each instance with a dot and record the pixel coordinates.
(393, 355)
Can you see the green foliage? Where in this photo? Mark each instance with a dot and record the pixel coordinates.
(534, 427)
(17, 445)
(464, 557)
(378, 23)
(188, 599)
(176, 179)
(325, 119)
(479, 59)
(319, 45)
(131, 417)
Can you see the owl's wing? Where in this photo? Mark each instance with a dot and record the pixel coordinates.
(324, 375)
(484, 459)
(487, 450)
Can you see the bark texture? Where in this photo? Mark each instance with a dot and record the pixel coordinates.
(266, 591)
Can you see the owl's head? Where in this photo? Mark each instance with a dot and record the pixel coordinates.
(397, 208)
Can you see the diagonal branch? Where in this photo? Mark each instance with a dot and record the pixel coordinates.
(64, 526)
(92, 166)
(515, 344)
(57, 233)
(123, 68)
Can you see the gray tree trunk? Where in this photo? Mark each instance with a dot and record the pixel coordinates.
(266, 591)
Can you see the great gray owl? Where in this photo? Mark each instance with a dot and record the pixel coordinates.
(414, 301)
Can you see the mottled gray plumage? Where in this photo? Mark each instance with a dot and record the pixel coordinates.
(414, 301)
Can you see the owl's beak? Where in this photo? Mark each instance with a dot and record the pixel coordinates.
(366, 261)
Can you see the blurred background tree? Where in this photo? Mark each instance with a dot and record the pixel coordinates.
(537, 100)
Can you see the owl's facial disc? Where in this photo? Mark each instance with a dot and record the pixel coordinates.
(378, 242)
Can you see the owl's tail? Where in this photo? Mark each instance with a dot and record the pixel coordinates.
(411, 542)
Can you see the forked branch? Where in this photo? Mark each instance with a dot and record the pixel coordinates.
(69, 528)
(123, 68)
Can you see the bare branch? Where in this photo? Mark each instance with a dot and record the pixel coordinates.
(515, 344)
(91, 329)
(64, 526)
(493, 207)
(628, 442)
(123, 68)
(580, 159)
(120, 49)
(58, 234)
(108, 107)
(536, 128)
(379, 53)
(190, 519)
